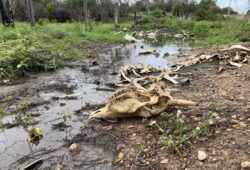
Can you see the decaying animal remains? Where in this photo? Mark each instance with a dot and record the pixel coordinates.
(133, 102)
(138, 75)
(235, 55)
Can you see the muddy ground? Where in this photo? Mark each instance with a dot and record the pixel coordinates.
(127, 143)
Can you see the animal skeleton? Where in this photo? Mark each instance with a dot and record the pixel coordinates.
(133, 102)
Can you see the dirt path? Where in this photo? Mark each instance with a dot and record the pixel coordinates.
(129, 143)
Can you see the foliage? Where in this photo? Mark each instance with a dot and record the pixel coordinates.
(146, 19)
(206, 32)
(157, 13)
(177, 9)
(45, 47)
(207, 10)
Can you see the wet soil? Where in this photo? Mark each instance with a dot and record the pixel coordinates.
(81, 87)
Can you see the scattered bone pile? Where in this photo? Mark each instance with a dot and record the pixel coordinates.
(140, 76)
(143, 93)
(143, 90)
(235, 56)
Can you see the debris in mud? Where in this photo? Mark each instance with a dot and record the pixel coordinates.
(147, 52)
(74, 147)
(139, 102)
(66, 97)
(32, 164)
(35, 134)
(60, 126)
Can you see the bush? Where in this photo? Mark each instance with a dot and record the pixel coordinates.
(245, 37)
(157, 7)
(207, 10)
(29, 55)
(157, 13)
(42, 22)
(157, 10)
(146, 19)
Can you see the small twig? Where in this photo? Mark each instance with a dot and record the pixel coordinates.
(151, 167)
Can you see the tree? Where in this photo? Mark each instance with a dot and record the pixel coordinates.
(177, 9)
(85, 6)
(207, 10)
(31, 12)
(116, 12)
(7, 13)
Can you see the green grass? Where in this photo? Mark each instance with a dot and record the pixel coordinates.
(47, 45)
(207, 33)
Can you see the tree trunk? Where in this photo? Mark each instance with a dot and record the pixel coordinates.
(135, 16)
(7, 14)
(31, 12)
(85, 6)
(116, 13)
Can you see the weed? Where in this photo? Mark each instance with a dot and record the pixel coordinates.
(65, 117)
(215, 106)
(181, 136)
(23, 104)
(27, 120)
(142, 148)
(196, 98)
(3, 111)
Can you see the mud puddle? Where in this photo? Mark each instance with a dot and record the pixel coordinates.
(72, 91)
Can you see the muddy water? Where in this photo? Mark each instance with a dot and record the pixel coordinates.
(74, 90)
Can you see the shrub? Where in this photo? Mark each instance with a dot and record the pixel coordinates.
(207, 10)
(146, 19)
(42, 22)
(157, 13)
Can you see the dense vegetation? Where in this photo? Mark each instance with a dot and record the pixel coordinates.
(50, 42)
(44, 47)
(206, 33)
